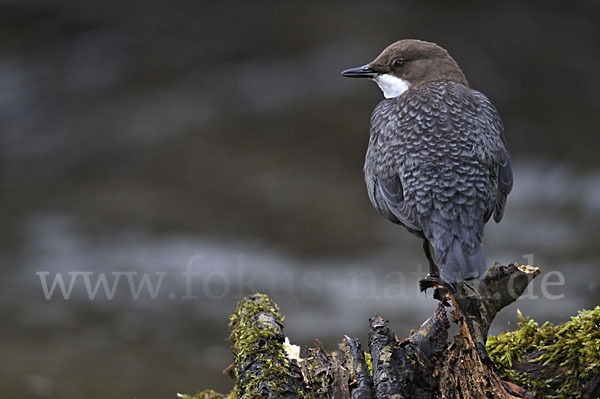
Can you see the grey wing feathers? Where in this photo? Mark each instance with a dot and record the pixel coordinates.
(503, 169)
(387, 193)
(392, 192)
(505, 183)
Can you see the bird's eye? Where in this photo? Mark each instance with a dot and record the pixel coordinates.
(398, 63)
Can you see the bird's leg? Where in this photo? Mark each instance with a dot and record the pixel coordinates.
(433, 279)
(433, 269)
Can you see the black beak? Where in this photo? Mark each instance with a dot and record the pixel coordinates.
(359, 72)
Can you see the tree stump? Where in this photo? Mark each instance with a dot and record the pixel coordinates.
(425, 365)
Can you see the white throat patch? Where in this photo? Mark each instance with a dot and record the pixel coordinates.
(391, 85)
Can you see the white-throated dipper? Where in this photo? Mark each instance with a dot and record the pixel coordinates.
(437, 161)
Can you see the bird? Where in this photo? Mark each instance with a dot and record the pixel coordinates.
(437, 161)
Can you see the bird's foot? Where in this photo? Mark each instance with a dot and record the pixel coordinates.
(440, 291)
(430, 281)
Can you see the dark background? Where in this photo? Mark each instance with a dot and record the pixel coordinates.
(137, 135)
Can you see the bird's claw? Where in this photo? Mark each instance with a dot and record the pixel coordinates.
(430, 281)
(439, 288)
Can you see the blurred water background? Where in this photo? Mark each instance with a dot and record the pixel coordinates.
(213, 149)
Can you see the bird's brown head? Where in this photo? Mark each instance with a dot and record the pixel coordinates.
(409, 63)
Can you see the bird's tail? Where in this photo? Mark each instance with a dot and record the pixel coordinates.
(458, 263)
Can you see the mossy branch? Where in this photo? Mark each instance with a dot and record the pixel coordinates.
(425, 365)
(552, 361)
(262, 368)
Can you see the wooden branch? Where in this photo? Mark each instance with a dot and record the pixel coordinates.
(360, 382)
(480, 300)
(261, 365)
(423, 366)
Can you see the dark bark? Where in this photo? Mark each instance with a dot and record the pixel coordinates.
(423, 366)
(360, 384)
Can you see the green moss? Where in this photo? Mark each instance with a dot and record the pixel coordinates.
(258, 338)
(573, 347)
(319, 379)
(369, 361)
(208, 394)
